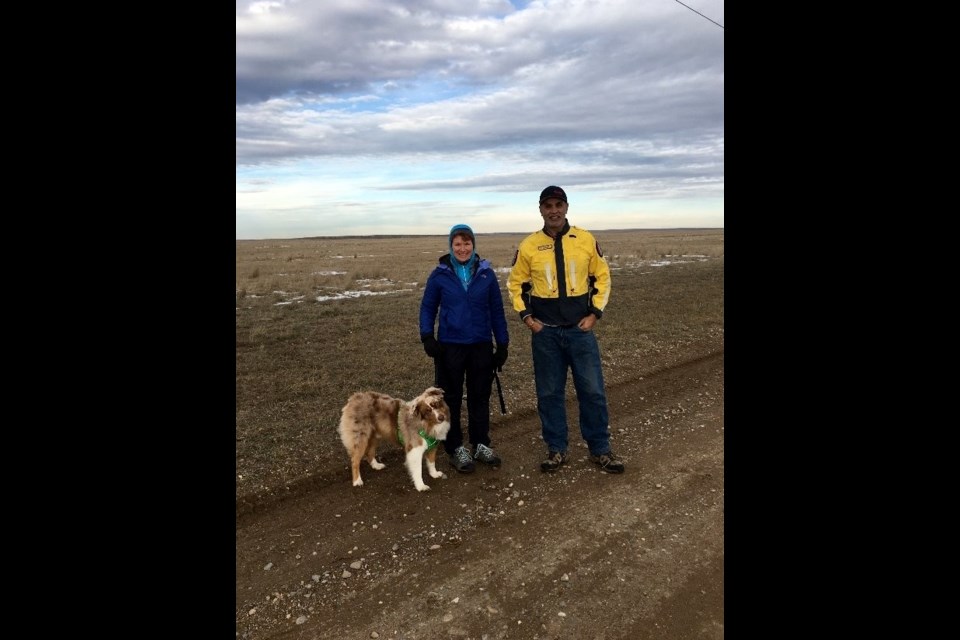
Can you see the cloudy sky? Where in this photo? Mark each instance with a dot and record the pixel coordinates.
(362, 117)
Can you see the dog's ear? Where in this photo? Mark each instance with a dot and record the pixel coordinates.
(423, 410)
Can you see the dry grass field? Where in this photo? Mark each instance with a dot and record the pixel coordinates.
(507, 553)
(320, 318)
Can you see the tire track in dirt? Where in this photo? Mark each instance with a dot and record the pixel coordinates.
(518, 421)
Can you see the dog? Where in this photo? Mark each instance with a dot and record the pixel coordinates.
(418, 426)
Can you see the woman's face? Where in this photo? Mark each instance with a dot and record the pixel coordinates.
(462, 247)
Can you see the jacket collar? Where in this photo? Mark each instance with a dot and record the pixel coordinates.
(562, 232)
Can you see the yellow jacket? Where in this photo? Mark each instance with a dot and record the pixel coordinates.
(559, 281)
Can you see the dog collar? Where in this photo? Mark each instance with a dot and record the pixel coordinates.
(431, 442)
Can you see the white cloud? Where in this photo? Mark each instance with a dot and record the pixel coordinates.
(454, 100)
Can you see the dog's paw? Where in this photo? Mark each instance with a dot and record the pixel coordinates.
(358, 482)
(437, 474)
(422, 487)
(377, 465)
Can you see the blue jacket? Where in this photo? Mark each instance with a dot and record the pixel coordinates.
(466, 316)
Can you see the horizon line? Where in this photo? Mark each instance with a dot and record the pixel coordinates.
(488, 233)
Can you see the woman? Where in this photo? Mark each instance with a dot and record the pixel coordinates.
(465, 291)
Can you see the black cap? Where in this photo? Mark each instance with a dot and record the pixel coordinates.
(552, 192)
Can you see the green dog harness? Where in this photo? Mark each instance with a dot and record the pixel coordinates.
(431, 442)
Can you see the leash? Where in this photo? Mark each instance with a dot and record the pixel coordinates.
(503, 406)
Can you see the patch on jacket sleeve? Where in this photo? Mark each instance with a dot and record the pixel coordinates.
(599, 250)
(515, 255)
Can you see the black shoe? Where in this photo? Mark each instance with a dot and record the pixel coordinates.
(608, 462)
(460, 460)
(553, 462)
(486, 455)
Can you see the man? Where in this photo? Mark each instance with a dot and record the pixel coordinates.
(560, 284)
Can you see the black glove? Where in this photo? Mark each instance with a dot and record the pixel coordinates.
(499, 357)
(430, 345)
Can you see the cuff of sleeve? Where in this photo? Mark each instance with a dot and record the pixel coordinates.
(596, 312)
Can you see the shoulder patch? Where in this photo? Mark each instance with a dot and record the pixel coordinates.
(516, 254)
(599, 250)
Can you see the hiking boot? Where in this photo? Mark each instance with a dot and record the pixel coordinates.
(460, 460)
(486, 455)
(553, 461)
(608, 462)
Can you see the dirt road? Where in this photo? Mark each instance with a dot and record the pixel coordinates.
(510, 552)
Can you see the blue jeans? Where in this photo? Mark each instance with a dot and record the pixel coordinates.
(555, 349)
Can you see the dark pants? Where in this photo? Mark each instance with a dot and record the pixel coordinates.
(473, 362)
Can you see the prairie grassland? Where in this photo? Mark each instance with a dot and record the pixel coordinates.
(319, 318)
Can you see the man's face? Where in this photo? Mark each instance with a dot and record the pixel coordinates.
(554, 212)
